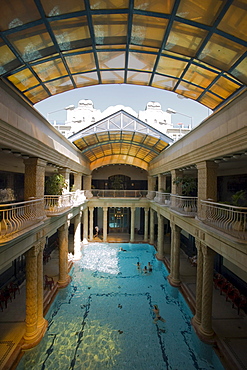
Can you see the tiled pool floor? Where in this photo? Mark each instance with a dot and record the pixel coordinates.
(104, 319)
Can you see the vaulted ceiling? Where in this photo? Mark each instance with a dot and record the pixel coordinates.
(193, 48)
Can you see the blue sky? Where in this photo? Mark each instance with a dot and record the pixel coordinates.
(132, 96)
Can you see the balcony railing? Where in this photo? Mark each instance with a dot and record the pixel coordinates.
(55, 204)
(230, 219)
(185, 205)
(162, 198)
(18, 216)
(105, 193)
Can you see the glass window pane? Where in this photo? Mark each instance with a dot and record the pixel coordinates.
(204, 11)
(221, 52)
(14, 13)
(234, 21)
(185, 39)
(71, 33)
(111, 77)
(81, 62)
(141, 61)
(199, 76)
(50, 70)
(111, 59)
(32, 43)
(55, 7)
(110, 28)
(224, 87)
(171, 67)
(23, 80)
(60, 85)
(148, 31)
(159, 6)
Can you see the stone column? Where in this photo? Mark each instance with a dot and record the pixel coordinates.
(146, 224)
(151, 187)
(65, 172)
(207, 183)
(87, 182)
(77, 181)
(151, 240)
(85, 225)
(176, 189)
(31, 294)
(40, 286)
(77, 237)
(64, 278)
(161, 182)
(205, 328)
(132, 228)
(34, 182)
(174, 278)
(91, 230)
(105, 210)
(199, 277)
(160, 241)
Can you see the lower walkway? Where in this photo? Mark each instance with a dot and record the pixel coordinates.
(231, 328)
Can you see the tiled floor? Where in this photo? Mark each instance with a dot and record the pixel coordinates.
(230, 327)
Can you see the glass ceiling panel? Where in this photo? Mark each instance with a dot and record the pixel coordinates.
(36, 94)
(148, 31)
(221, 52)
(235, 20)
(110, 28)
(171, 66)
(90, 43)
(240, 72)
(8, 60)
(199, 76)
(109, 4)
(50, 70)
(141, 61)
(71, 33)
(158, 6)
(32, 43)
(14, 13)
(55, 7)
(224, 87)
(60, 85)
(185, 39)
(81, 62)
(87, 79)
(204, 11)
(210, 100)
(23, 79)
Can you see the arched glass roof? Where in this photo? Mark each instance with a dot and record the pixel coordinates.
(120, 138)
(191, 47)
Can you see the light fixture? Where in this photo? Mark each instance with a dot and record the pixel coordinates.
(25, 156)
(217, 160)
(17, 154)
(226, 159)
(236, 156)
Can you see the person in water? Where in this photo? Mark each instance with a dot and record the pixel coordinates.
(157, 314)
(138, 265)
(96, 231)
(150, 268)
(145, 270)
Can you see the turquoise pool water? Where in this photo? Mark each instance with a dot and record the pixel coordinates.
(104, 319)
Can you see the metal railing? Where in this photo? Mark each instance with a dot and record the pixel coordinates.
(183, 204)
(105, 193)
(230, 219)
(18, 216)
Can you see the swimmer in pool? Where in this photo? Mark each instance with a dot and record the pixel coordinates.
(145, 270)
(138, 265)
(157, 314)
(123, 250)
(150, 268)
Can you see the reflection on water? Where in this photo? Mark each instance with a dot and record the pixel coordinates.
(105, 318)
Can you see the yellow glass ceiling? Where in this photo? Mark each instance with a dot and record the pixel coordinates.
(191, 47)
(120, 135)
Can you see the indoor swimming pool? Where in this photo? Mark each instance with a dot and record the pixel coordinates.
(105, 320)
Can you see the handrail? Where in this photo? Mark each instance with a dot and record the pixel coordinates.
(59, 203)
(184, 204)
(111, 193)
(18, 216)
(228, 218)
